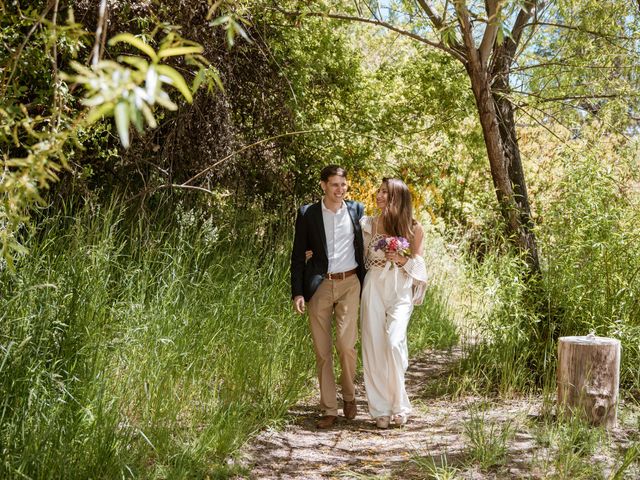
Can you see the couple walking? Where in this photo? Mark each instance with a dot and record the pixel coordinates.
(342, 259)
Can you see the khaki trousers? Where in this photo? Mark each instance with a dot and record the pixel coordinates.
(340, 298)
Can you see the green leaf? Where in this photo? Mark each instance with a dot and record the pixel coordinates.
(148, 115)
(174, 52)
(216, 78)
(164, 100)
(135, 42)
(136, 117)
(238, 30)
(198, 80)
(213, 8)
(100, 112)
(137, 62)
(220, 20)
(20, 249)
(121, 115)
(176, 80)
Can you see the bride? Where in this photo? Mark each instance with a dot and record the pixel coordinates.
(394, 283)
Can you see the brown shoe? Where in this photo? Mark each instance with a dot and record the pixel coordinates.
(350, 409)
(326, 422)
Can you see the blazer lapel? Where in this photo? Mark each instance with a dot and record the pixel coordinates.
(351, 208)
(320, 224)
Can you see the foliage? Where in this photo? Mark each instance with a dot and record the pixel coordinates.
(588, 208)
(572, 443)
(145, 362)
(436, 470)
(154, 361)
(586, 58)
(35, 146)
(593, 249)
(129, 94)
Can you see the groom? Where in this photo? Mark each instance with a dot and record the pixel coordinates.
(330, 282)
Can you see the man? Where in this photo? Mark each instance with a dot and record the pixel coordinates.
(330, 282)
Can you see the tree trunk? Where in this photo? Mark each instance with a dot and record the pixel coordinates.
(497, 159)
(588, 378)
(507, 127)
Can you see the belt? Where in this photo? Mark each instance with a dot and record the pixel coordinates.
(341, 275)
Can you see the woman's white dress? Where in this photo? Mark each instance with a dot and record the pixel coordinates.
(388, 296)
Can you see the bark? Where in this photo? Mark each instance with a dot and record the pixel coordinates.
(497, 121)
(500, 71)
(509, 139)
(495, 151)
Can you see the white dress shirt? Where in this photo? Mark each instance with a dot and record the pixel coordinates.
(338, 229)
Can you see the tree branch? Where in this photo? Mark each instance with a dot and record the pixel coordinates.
(439, 24)
(275, 137)
(518, 27)
(467, 32)
(380, 23)
(580, 29)
(490, 33)
(569, 66)
(504, 54)
(436, 21)
(542, 99)
(95, 55)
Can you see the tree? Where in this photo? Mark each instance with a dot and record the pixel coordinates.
(489, 39)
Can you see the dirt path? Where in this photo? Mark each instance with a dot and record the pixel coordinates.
(357, 448)
(433, 439)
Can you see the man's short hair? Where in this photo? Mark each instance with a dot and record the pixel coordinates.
(331, 170)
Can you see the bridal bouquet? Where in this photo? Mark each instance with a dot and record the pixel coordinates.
(393, 244)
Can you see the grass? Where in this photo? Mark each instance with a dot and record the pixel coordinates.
(150, 348)
(571, 444)
(487, 440)
(140, 353)
(435, 470)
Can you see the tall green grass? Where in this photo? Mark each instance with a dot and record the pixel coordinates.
(589, 243)
(436, 323)
(153, 347)
(130, 350)
(592, 250)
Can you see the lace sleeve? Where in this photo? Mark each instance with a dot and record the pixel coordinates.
(417, 270)
(365, 224)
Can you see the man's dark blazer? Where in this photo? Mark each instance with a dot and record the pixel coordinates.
(310, 235)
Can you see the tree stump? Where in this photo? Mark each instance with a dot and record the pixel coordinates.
(588, 378)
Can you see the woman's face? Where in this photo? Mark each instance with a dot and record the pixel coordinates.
(382, 196)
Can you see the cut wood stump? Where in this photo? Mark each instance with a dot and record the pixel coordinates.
(588, 378)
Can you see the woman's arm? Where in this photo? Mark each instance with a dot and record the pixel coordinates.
(417, 246)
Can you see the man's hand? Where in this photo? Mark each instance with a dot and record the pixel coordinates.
(298, 304)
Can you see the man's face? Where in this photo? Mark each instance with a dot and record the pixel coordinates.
(335, 188)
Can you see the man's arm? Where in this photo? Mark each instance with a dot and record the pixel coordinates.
(297, 262)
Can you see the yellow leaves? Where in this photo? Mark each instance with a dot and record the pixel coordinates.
(424, 197)
(363, 189)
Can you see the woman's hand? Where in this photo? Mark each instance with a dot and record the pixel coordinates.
(307, 255)
(396, 258)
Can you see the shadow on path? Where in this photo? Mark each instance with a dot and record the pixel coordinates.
(357, 447)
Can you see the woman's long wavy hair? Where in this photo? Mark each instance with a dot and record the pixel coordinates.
(397, 218)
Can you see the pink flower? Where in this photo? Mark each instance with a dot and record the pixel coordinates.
(393, 244)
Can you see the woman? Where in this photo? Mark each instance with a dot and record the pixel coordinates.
(394, 283)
